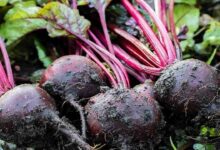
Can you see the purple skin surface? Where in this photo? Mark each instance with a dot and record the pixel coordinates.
(73, 75)
(124, 118)
(29, 118)
(146, 88)
(187, 86)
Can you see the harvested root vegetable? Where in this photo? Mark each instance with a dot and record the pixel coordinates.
(29, 118)
(187, 86)
(146, 88)
(28, 114)
(125, 119)
(73, 77)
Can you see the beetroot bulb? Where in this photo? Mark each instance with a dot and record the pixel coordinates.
(28, 114)
(146, 88)
(121, 118)
(125, 119)
(29, 118)
(71, 78)
(187, 86)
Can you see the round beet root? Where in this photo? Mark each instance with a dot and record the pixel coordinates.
(146, 88)
(29, 118)
(73, 75)
(124, 119)
(187, 86)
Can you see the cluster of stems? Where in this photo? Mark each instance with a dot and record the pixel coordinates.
(131, 56)
(6, 75)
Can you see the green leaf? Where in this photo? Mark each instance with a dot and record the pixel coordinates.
(15, 29)
(3, 2)
(210, 38)
(62, 19)
(190, 2)
(14, 1)
(204, 131)
(187, 15)
(198, 146)
(187, 44)
(212, 131)
(212, 35)
(22, 10)
(82, 2)
(41, 50)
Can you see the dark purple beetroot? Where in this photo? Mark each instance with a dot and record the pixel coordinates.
(124, 119)
(29, 118)
(187, 86)
(146, 88)
(73, 76)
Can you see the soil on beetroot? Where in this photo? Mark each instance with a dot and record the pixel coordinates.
(182, 86)
(29, 118)
(146, 88)
(115, 119)
(125, 119)
(68, 74)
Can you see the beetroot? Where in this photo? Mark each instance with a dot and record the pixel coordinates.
(73, 77)
(125, 119)
(147, 88)
(187, 86)
(29, 118)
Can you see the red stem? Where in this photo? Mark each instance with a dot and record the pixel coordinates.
(151, 58)
(113, 58)
(114, 67)
(150, 35)
(74, 4)
(4, 80)
(94, 58)
(163, 32)
(160, 10)
(173, 30)
(136, 75)
(163, 12)
(105, 29)
(130, 61)
(97, 41)
(121, 54)
(133, 51)
(7, 64)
